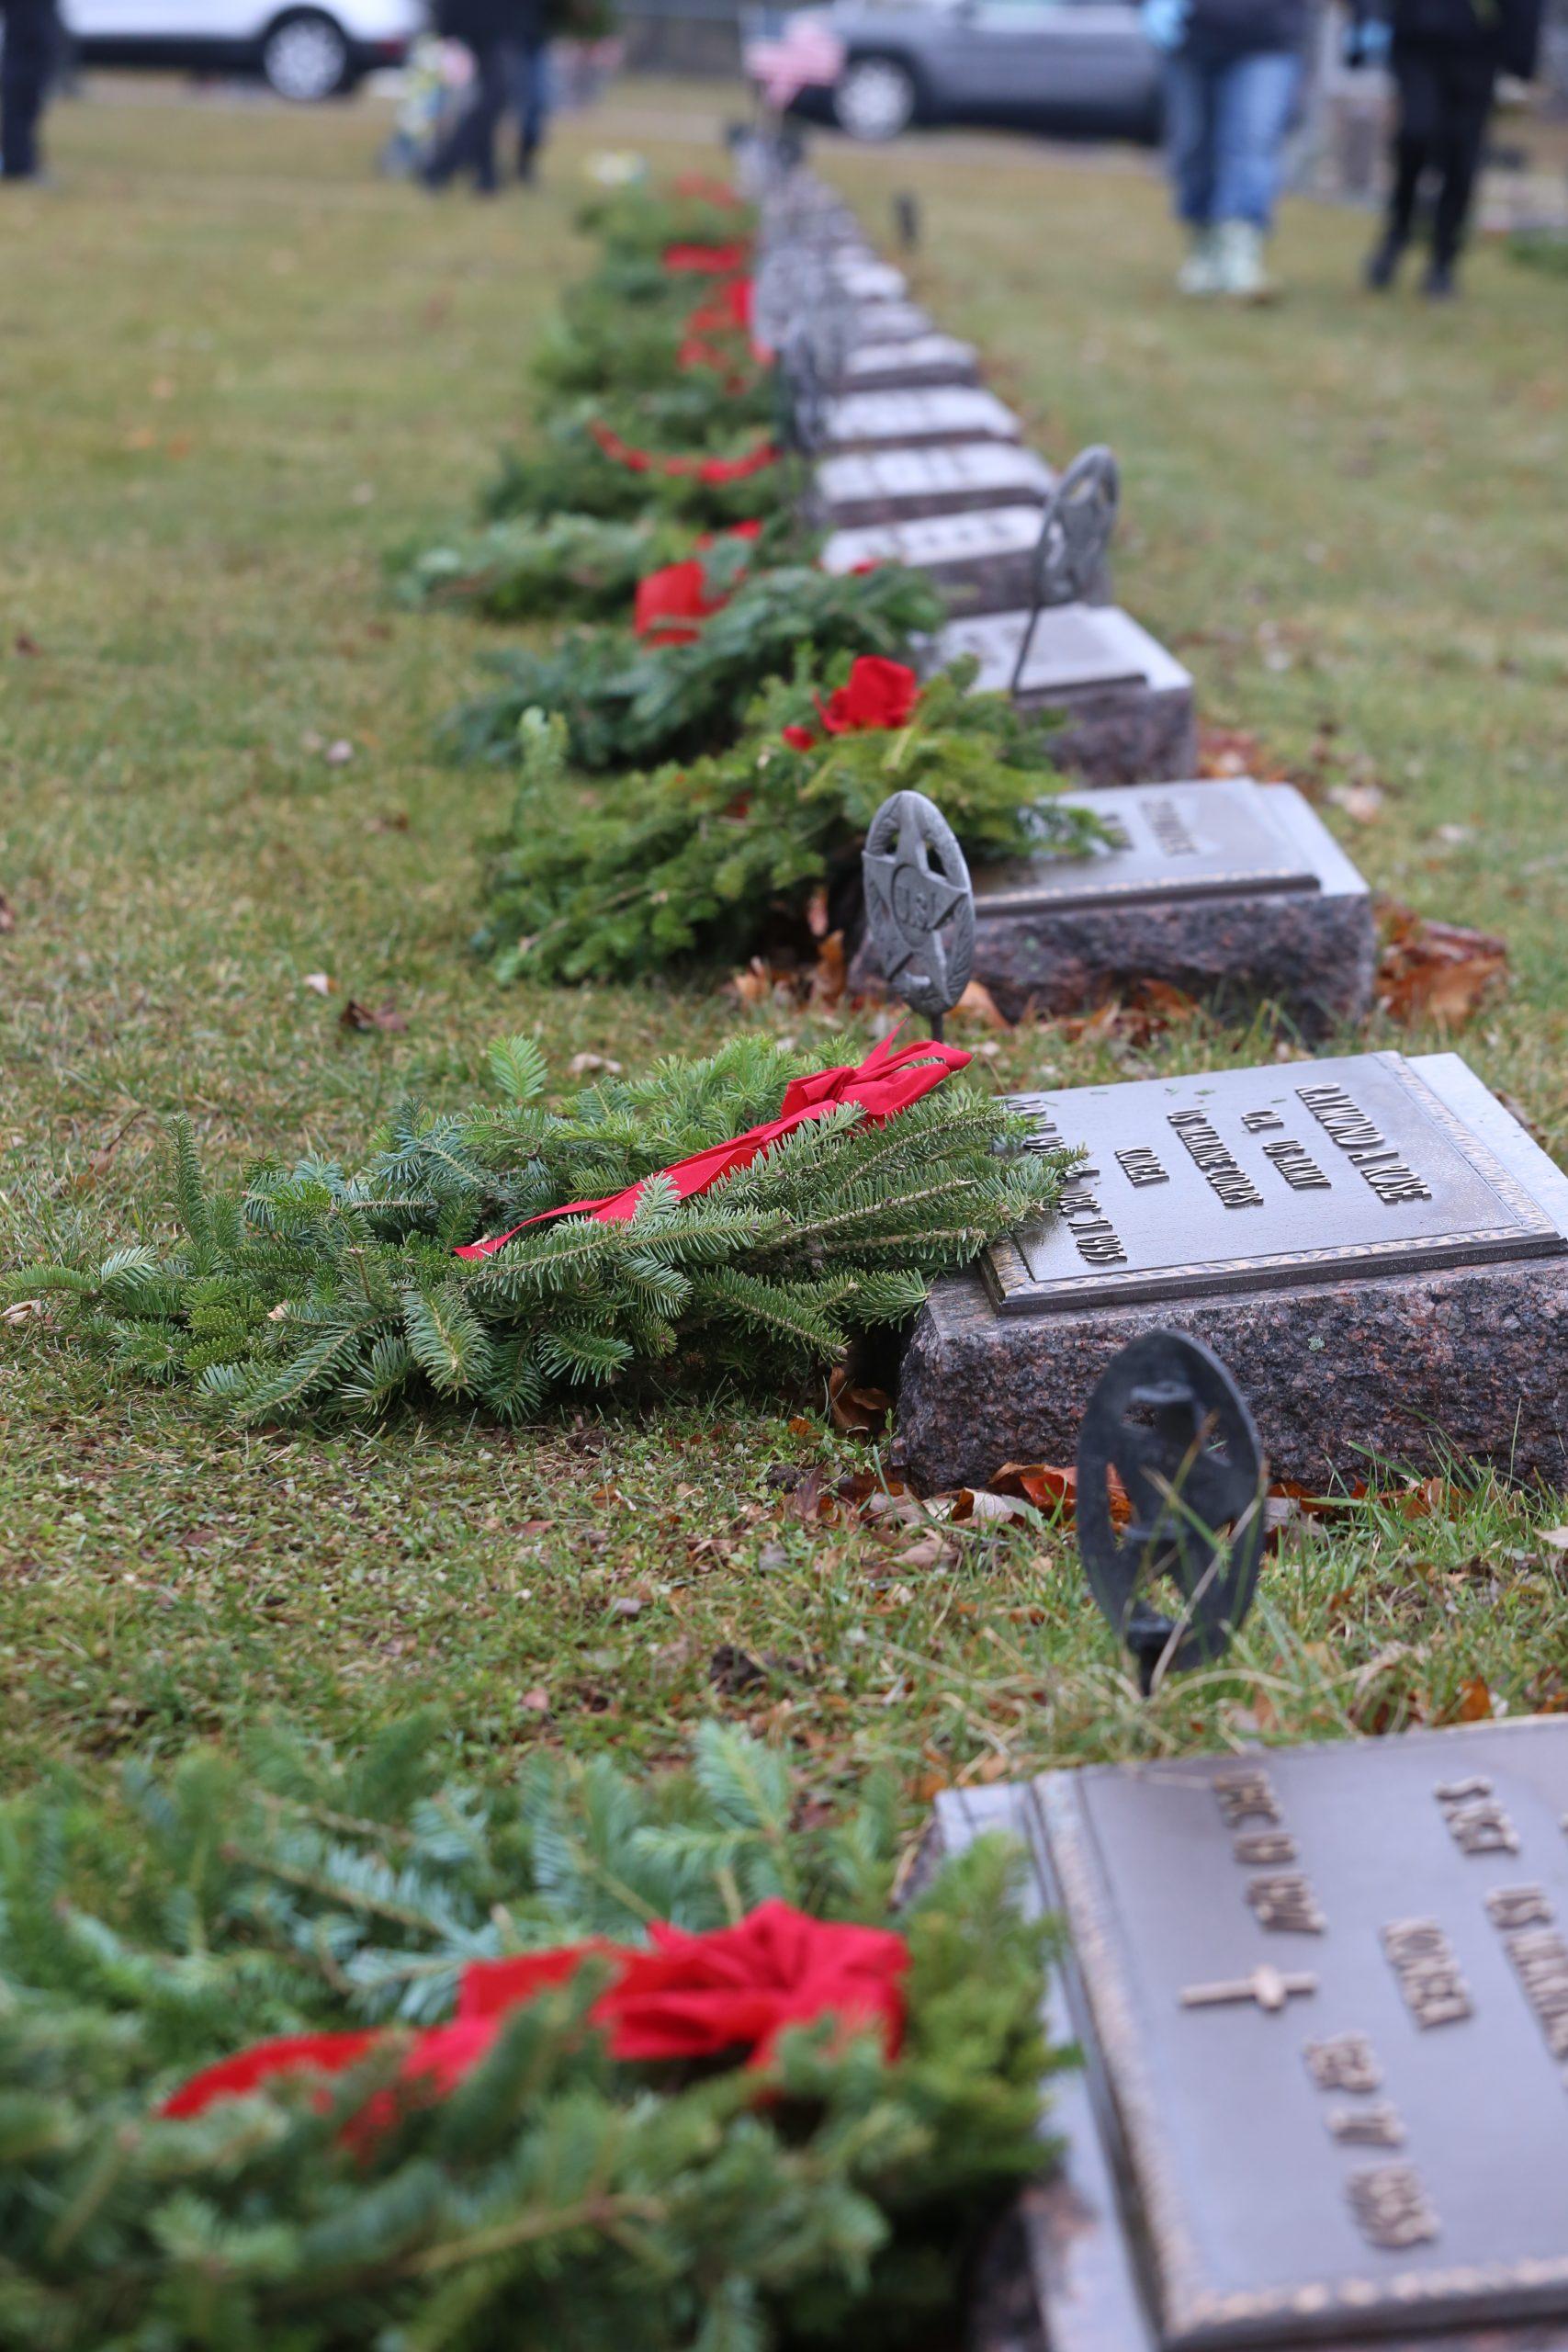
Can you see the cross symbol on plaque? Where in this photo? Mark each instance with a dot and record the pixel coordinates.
(1268, 1986)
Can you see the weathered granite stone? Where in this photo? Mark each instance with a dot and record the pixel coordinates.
(1231, 891)
(981, 561)
(905, 365)
(898, 485)
(1413, 1364)
(1127, 702)
(916, 419)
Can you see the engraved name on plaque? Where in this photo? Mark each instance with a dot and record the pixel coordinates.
(1367, 2141)
(1303, 1172)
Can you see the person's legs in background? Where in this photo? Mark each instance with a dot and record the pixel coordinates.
(1189, 158)
(26, 64)
(470, 145)
(1467, 108)
(1417, 143)
(531, 103)
(1253, 106)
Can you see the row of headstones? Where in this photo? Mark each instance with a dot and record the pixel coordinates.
(1373, 1243)
(1323, 1994)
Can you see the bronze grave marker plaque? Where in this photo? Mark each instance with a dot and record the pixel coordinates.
(1324, 1997)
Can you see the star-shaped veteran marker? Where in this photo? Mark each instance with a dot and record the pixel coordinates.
(920, 905)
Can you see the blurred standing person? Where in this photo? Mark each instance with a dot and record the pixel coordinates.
(30, 53)
(1446, 56)
(494, 33)
(1232, 73)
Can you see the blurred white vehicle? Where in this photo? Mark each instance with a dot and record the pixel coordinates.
(306, 49)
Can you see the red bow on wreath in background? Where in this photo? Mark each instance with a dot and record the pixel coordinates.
(732, 1990)
(716, 471)
(876, 693)
(886, 1082)
(672, 603)
(707, 261)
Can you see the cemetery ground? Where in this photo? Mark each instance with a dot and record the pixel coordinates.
(239, 368)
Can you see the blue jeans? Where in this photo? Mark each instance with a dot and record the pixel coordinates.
(1226, 119)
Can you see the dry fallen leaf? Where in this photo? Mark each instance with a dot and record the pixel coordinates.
(817, 913)
(978, 1506)
(1435, 971)
(583, 1065)
(1362, 803)
(1231, 750)
(394, 820)
(1557, 1537)
(7, 913)
(23, 643)
(856, 1410)
(322, 984)
(384, 1017)
(977, 1003)
(1474, 1702)
(338, 755)
(535, 1701)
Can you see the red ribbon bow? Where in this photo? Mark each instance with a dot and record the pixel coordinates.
(886, 1082)
(877, 694)
(708, 469)
(672, 603)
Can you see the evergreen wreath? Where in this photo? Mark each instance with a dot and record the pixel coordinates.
(625, 701)
(572, 474)
(615, 877)
(313, 1295)
(571, 566)
(557, 2195)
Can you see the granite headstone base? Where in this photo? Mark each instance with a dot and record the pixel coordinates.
(1126, 734)
(1413, 1368)
(1312, 956)
(1125, 702)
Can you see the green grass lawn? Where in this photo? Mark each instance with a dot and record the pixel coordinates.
(234, 367)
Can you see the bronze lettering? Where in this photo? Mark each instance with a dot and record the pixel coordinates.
(1480, 1826)
(1286, 1904)
(1519, 1906)
(1423, 1959)
(1346, 2062)
(1245, 1793)
(1541, 1958)
(1258, 1846)
(1300, 1174)
(1390, 2208)
(1372, 1152)
(1268, 1987)
(1261, 1123)
(1140, 1166)
(1381, 2126)
(1229, 1180)
(1165, 823)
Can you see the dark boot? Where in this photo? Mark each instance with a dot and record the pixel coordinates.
(1382, 264)
(1439, 285)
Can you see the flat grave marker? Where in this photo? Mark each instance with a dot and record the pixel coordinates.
(899, 484)
(1323, 1994)
(1231, 889)
(918, 359)
(981, 560)
(911, 420)
(1127, 701)
(886, 322)
(1374, 1246)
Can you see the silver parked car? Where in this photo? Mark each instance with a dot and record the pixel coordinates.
(1063, 65)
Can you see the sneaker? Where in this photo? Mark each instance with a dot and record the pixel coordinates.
(1382, 266)
(1200, 272)
(1242, 272)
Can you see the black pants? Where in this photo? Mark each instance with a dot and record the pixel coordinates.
(1445, 100)
(470, 145)
(25, 67)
